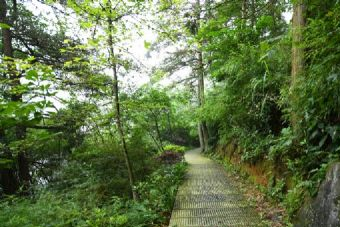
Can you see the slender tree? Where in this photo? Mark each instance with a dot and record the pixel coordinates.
(203, 129)
(297, 50)
(115, 88)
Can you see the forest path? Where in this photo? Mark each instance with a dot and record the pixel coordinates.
(208, 197)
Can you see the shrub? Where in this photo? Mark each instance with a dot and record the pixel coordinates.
(67, 209)
(174, 148)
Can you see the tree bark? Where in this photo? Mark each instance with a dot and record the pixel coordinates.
(203, 132)
(169, 125)
(8, 179)
(205, 136)
(200, 136)
(24, 173)
(115, 89)
(297, 53)
(158, 131)
(6, 33)
(201, 100)
(253, 13)
(20, 131)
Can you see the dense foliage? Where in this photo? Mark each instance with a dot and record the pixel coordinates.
(84, 143)
(81, 145)
(81, 206)
(256, 104)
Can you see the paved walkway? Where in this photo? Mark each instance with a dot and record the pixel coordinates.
(208, 198)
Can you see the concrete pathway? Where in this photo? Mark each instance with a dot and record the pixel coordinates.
(208, 198)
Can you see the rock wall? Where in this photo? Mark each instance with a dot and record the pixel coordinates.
(260, 172)
(324, 210)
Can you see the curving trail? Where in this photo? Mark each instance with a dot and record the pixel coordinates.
(208, 198)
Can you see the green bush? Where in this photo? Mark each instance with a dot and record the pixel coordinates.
(77, 207)
(174, 148)
(160, 189)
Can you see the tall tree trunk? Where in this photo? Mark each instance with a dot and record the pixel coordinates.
(201, 98)
(20, 131)
(200, 136)
(24, 173)
(8, 179)
(203, 132)
(253, 13)
(115, 89)
(22, 159)
(297, 53)
(205, 135)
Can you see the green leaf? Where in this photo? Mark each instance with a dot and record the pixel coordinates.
(86, 24)
(5, 26)
(31, 75)
(323, 140)
(147, 44)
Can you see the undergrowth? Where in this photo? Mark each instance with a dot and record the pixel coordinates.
(52, 208)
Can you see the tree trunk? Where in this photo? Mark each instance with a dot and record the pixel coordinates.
(205, 136)
(200, 136)
(6, 33)
(203, 132)
(115, 89)
(24, 173)
(8, 179)
(20, 131)
(169, 125)
(23, 163)
(201, 100)
(158, 132)
(253, 13)
(297, 53)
